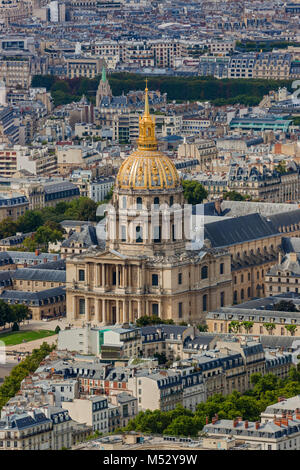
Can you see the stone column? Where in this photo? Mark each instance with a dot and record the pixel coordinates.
(99, 317)
(117, 311)
(117, 276)
(147, 307)
(96, 283)
(104, 317)
(130, 310)
(74, 314)
(139, 309)
(125, 313)
(124, 276)
(103, 275)
(87, 309)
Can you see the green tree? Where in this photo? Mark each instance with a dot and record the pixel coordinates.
(233, 196)
(291, 328)
(194, 192)
(234, 326)
(270, 327)
(247, 325)
(281, 167)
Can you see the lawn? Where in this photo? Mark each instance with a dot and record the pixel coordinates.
(17, 337)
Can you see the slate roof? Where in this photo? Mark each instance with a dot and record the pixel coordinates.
(33, 297)
(291, 244)
(58, 265)
(87, 237)
(284, 219)
(228, 232)
(48, 275)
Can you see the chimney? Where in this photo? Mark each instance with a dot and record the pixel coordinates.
(293, 257)
(279, 258)
(214, 420)
(257, 425)
(281, 399)
(234, 423)
(290, 415)
(37, 252)
(206, 419)
(277, 421)
(284, 421)
(25, 265)
(55, 258)
(297, 411)
(45, 260)
(239, 418)
(246, 424)
(218, 206)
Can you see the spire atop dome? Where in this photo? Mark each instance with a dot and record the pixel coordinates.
(147, 139)
(146, 113)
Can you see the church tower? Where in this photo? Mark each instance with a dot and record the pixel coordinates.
(103, 88)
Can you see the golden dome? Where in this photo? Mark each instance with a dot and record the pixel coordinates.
(147, 168)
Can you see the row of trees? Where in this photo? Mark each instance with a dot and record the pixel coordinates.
(152, 320)
(237, 327)
(182, 422)
(12, 382)
(220, 92)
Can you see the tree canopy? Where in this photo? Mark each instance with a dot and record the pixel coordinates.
(194, 192)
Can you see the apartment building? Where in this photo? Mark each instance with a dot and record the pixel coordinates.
(91, 410)
(30, 430)
(12, 205)
(86, 67)
(109, 343)
(277, 434)
(205, 151)
(160, 390)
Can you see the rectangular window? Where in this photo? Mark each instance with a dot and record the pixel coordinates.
(180, 278)
(180, 310)
(155, 309)
(222, 299)
(154, 279)
(81, 274)
(81, 306)
(123, 233)
(222, 268)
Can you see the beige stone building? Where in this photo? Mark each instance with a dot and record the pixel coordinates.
(148, 266)
(205, 151)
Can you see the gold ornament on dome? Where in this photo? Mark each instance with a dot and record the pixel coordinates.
(147, 167)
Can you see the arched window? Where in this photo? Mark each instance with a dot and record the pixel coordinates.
(204, 272)
(139, 234)
(139, 203)
(242, 294)
(124, 202)
(171, 201)
(156, 201)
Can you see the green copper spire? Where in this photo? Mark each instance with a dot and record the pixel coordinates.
(103, 78)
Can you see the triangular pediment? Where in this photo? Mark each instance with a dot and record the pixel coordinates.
(110, 255)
